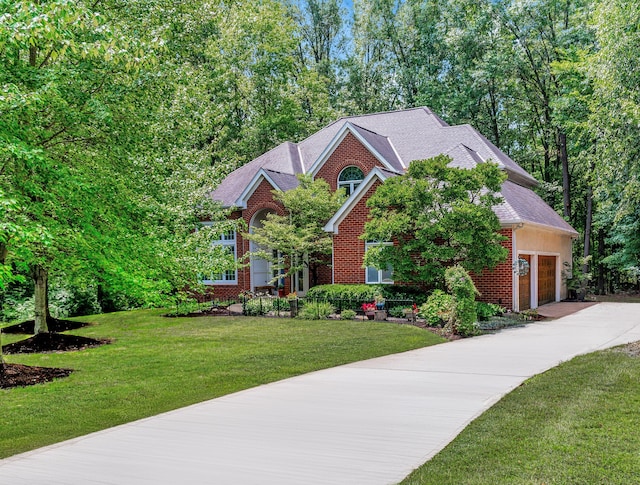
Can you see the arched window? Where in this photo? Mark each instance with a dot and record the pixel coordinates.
(350, 178)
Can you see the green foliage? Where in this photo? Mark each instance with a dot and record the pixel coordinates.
(298, 235)
(463, 317)
(343, 292)
(435, 215)
(575, 277)
(488, 310)
(437, 309)
(614, 121)
(265, 306)
(397, 311)
(347, 314)
(316, 310)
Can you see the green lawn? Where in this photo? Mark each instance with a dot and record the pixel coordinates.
(157, 364)
(578, 423)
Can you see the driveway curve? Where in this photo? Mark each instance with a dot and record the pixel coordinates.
(370, 422)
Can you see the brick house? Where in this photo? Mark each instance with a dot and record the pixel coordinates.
(360, 152)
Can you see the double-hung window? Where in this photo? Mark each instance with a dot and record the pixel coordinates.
(227, 240)
(374, 275)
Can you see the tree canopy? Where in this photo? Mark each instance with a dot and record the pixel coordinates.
(435, 215)
(297, 238)
(117, 118)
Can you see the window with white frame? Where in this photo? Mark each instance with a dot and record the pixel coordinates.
(350, 178)
(228, 241)
(374, 275)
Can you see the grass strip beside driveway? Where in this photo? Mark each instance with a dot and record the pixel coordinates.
(575, 424)
(157, 364)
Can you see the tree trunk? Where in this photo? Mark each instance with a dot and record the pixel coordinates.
(566, 182)
(600, 289)
(587, 228)
(41, 280)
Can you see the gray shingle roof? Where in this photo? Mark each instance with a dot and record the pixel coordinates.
(524, 205)
(401, 137)
(382, 145)
(284, 181)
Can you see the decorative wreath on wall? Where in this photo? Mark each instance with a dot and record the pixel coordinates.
(521, 267)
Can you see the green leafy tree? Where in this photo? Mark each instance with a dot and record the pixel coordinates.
(436, 216)
(298, 237)
(614, 121)
(91, 188)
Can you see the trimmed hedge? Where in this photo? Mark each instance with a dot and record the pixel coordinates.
(363, 292)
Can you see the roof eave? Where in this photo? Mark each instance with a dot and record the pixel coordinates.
(520, 223)
(260, 175)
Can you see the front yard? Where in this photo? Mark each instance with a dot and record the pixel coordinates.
(575, 424)
(156, 364)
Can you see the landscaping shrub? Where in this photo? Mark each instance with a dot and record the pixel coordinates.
(437, 309)
(463, 317)
(316, 310)
(263, 306)
(488, 310)
(343, 292)
(362, 292)
(347, 315)
(397, 311)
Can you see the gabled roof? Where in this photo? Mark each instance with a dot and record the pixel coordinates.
(379, 146)
(278, 180)
(284, 159)
(396, 138)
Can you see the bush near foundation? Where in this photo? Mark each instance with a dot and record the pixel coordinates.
(463, 319)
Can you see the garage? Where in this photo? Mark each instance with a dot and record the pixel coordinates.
(546, 279)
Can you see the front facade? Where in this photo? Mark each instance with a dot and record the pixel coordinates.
(358, 154)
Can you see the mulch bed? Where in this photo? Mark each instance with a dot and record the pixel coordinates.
(54, 324)
(210, 312)
(52, 342)
(18, 375)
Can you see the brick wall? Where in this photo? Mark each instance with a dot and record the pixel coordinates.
(262, 198)
(497, 286)
(348, 248)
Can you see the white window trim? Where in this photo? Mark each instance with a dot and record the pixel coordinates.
(223, 241)
(350, 185)
(380, 271)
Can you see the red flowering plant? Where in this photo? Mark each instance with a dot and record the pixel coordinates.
(369, 307)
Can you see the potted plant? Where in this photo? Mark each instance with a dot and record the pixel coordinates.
(369, 310)
(411, 312)
(280, 290)
(380, 302)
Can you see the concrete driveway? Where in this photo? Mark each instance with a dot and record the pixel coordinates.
(370, 422)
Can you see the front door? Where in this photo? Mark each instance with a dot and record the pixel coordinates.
(524, 286)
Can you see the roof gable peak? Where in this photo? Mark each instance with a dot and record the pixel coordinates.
(368, 139)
